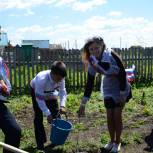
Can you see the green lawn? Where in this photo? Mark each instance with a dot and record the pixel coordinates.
(89, 133)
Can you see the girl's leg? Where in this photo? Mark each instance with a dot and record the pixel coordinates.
(111, 124)
(118, 123)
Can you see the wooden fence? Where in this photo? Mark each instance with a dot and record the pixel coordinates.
(24, 65)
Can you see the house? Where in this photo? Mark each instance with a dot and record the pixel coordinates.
(37, 43)
(3, 40)
(55, 46)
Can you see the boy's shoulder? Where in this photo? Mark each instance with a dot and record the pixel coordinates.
(44, 72)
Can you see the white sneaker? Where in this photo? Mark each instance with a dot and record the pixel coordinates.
(116, 148)
(41, 151)
(108, 146)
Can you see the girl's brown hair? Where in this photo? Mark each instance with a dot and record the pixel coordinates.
(85, 50)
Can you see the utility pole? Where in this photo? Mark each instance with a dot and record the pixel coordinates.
(76, 47)
(120, 42)
(68, 45)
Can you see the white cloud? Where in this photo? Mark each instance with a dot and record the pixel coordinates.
(23, 4)
(56, 17)
(64, 2)
(130, 30)
(84, 6)
(13, 15)
(74, 4)
(27, 13)
(115, 13)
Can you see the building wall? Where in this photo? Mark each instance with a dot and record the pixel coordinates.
(37, 43)
(3, 39)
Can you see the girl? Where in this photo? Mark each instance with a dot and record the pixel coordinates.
(114, 86)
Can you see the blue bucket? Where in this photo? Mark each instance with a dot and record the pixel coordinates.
(59, 131)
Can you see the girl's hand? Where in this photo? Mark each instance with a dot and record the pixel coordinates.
(93, 60)
(3, 88)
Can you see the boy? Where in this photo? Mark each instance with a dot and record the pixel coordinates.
(45, 88)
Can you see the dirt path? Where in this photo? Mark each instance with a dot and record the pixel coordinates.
(92, 134)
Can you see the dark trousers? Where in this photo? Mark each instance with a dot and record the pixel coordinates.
(10, 128)
(40, 134)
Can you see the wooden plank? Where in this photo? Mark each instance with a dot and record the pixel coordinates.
(151, 59)
(37, 61)
(74, 70)
(139, 67)
(14, 66)
(19, 70)
(145, 64)
(77, 69)
(136, 62)
(81, 75)
(32, 61)
(70, 69)
(11, 148)
(9, 64)
(24, 72)
(28, 72)
(149, 63)
(41, 59)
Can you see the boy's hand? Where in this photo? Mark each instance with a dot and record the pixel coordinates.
(49, 119)
(62, 110)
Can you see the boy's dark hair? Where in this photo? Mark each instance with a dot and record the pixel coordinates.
(59, 68)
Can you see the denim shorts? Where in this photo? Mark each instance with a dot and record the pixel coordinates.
(110, 103)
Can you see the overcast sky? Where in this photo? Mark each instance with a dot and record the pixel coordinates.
(121, 23)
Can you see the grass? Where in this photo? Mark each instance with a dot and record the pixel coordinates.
(133, 137)
(135, 115)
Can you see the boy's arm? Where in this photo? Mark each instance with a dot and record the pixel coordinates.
(40, 98)
(42, 106)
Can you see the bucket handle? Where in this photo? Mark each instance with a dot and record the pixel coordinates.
(66, 115)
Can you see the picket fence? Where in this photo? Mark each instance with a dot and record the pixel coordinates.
(25, 63)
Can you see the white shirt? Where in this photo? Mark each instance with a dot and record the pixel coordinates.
(46, 89)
